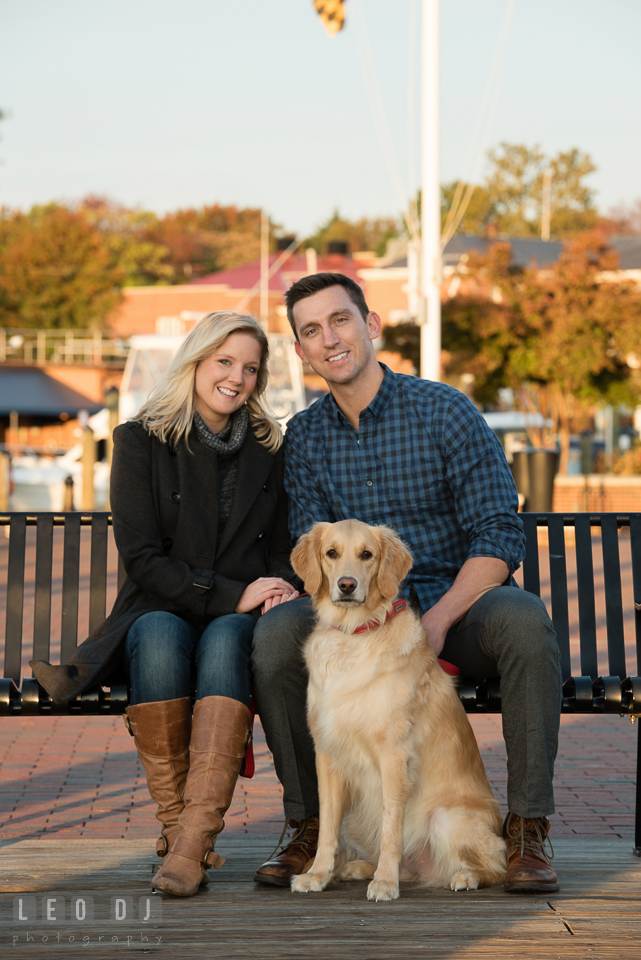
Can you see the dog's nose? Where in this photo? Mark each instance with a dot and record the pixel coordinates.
(347, 585)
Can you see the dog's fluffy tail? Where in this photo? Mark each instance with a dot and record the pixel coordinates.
(463, 850)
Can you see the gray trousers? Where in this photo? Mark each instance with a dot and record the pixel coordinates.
(507, 633)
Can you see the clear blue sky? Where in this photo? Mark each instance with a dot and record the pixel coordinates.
(162, 104)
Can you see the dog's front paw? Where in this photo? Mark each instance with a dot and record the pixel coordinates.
(309, 883)
(465, 880)
(382, 890)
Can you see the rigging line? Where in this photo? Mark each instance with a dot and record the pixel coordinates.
(473, 148)
(276, 265)
(377, 107)
(486, 134)
(380, 120)
(487, 92)
(493, 83)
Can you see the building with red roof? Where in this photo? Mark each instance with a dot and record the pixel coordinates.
(175, 309)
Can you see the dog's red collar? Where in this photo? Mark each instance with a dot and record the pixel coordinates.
(397, 607)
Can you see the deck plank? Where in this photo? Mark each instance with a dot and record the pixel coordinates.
(597, 911)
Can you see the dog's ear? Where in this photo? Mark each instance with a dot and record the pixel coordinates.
(306, 559)
(395, 562)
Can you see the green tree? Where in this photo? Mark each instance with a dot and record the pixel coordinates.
(511, 197)
(128, 236)
(479, 212)
(56, 270)
(364, 234)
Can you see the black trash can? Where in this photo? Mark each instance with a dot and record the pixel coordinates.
(521, 472)
(534, 471)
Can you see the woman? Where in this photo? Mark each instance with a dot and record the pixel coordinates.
(200, 521)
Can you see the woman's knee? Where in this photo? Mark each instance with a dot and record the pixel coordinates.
(158, 632)
(227, 639)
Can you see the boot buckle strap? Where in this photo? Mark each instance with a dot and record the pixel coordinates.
(193, 849)
(162, 846)
(212, 859)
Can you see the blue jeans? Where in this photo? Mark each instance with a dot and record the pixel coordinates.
(161, 649)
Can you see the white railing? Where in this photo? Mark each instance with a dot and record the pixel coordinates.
(92, 348)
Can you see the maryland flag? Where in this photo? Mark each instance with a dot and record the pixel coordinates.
(332, 13)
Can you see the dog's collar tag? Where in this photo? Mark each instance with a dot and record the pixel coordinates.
(397, 607)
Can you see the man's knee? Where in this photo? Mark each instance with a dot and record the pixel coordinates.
(279, 637)
(519, 618)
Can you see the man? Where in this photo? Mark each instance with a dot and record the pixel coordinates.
(398, 450)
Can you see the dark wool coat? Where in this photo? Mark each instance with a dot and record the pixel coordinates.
(165, 517)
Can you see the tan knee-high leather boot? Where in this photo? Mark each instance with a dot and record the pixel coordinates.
(219, 736)
(161, 732)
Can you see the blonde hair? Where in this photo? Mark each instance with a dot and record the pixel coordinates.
(168, 412)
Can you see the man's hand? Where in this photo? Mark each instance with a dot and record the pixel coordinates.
(476, 577)
(436, 628)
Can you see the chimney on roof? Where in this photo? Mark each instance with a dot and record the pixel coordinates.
(338, 246)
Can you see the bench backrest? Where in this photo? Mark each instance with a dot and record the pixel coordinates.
(46, 579)
(587, 529)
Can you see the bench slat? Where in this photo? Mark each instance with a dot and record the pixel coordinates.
(531, 577)
(42, 602)
(635, 548)
(559, 590)
(585, 587)
(15, 598)
(98, 575)
(70, 586)
(613, 602)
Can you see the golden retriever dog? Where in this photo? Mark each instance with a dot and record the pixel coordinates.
(403, 790)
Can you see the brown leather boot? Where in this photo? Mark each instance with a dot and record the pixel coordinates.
(295, 857)
(219, 736)
(529, 868)
(161, 732)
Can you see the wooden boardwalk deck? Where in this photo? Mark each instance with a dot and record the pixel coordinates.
(596, 914)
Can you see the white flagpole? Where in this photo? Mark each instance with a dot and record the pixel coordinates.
(430, 196)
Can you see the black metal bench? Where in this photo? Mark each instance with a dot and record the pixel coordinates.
(589, 691)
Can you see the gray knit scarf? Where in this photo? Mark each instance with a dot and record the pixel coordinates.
(227, 443)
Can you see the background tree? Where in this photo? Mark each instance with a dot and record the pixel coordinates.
(624, 219)
(364, 234)
(511, 197)
(128, 237)
(210, 238)
(563, 338)
(479, 213)
(56, 270)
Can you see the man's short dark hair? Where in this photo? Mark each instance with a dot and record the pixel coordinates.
(308, 286)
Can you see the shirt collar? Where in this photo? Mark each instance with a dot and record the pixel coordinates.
(384, 396)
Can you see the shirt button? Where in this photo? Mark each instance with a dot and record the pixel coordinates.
(260, 536)
(175, 497)
(369, 483)
(167, 543)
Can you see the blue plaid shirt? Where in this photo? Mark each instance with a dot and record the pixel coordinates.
(424, 462)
